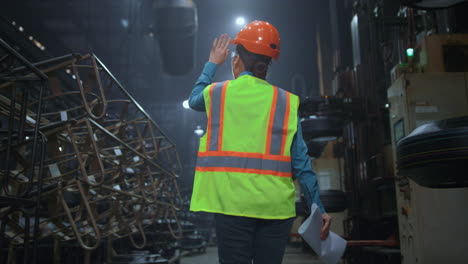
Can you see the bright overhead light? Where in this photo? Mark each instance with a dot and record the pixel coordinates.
(240, 21)
(124, 22)
(199, 132)
(185, 104)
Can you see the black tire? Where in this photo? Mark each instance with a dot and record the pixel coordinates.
(436, 155)
(334, 201)
(322, 126)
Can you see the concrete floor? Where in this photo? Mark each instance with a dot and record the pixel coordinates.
(292, 256)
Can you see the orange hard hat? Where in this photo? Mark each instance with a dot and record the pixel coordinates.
(259, 37)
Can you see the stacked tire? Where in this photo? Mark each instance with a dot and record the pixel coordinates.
(435, 155)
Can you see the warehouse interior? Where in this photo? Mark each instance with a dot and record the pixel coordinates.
(98, 145)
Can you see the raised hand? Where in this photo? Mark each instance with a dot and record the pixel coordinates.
(220, 51)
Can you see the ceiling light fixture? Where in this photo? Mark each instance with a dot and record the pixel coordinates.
(185, 104)
(240, 21)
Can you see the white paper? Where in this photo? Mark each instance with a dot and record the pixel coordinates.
(54, 170)
(63, 116)
(329, 250)
(117, 151)
(91, 179)
(30, 120)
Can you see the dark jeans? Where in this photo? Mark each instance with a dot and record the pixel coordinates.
(243, 239)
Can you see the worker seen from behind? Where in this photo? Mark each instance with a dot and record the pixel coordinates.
(252, 150)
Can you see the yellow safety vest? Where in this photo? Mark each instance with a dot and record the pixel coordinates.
(244, 159)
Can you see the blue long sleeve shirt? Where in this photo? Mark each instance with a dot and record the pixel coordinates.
(300, 161)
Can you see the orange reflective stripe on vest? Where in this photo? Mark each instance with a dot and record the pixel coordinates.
(245, 170)
(271, 122)
(244, 154)
(285, 124)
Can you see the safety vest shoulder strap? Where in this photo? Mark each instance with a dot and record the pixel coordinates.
(278, 124)
(217, 96)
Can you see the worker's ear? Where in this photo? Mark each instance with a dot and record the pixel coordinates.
(238, 63)
(234, 59)
(236, 66)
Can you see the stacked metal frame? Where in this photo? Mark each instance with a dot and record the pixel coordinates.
(22, 144)
(108, 170)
